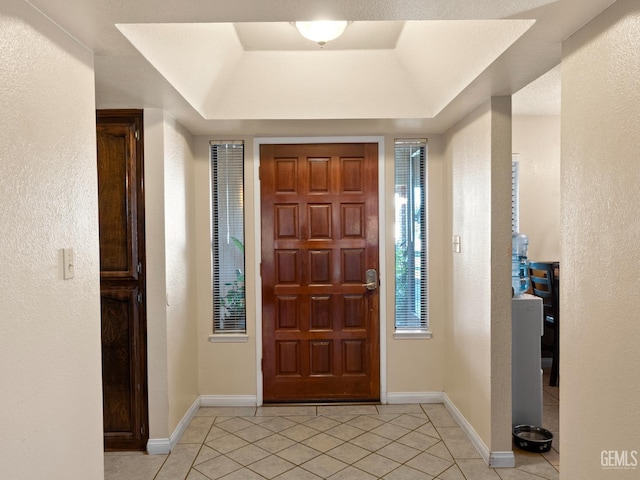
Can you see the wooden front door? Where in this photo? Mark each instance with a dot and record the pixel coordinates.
(319, 238)
(122, 279)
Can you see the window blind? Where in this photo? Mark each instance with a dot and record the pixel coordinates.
(515, 193)
(227, 220)
(410, 200)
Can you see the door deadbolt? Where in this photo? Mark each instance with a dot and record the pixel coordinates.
(372, 279)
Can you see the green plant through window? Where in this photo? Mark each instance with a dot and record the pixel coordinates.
(233, 300)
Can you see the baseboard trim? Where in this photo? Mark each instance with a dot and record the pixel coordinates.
(158, 446)
(493, 459)
(164, 446)
(395, 398)
(228, 401)
(502, 460)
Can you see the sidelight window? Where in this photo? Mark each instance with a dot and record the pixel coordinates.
(227, 206)
(515, 193)
(410, 235)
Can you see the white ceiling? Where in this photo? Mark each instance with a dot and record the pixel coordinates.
(415, 66)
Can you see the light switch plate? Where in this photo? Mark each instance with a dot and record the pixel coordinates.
(68, 263)
(456, 244)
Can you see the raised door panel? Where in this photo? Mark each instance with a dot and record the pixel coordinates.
(119, 323)
(117, 206)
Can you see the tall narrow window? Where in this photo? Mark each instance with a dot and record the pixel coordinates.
(227, 202)
(515, 193)
(410, 202)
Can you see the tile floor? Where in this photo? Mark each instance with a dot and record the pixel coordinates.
(402, 442)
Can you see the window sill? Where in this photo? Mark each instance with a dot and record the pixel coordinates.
(229, 338)
(412, 335)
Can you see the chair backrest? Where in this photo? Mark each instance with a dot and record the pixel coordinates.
(543, 285)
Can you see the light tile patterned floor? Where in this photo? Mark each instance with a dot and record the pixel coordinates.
(394, 442)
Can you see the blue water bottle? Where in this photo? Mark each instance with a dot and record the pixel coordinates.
(519, 264)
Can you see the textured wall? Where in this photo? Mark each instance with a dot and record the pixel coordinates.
(156, 274)
(50, 365)
(501, 148)
(537, 139)
(182, 349)
(600, 256)
(467, 379)
(215, 376)
(417, 365)
(171, 289)
(402, 355)
(478, 333)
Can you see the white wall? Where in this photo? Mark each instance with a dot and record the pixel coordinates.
(171, 290)
(182, 354)
(599, 407)
(416, 365)
(501, 148)
(225, 369)
(536, 138)
(50, 361)
(478, 334)
(156, 274)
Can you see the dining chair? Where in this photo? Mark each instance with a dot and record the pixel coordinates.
(544, 284)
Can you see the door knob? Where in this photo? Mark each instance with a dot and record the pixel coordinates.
(372, 279)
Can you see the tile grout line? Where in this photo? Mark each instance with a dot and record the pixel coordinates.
(216, 421)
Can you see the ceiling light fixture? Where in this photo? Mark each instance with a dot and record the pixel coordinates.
(321, 31)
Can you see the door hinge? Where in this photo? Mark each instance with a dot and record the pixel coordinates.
(136, 134)
(139, 298)
(139, 268)
(142, 429)
(262, 364)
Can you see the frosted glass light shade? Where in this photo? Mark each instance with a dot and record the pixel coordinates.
(321, 31)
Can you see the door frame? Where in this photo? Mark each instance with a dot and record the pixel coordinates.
(257, 292)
